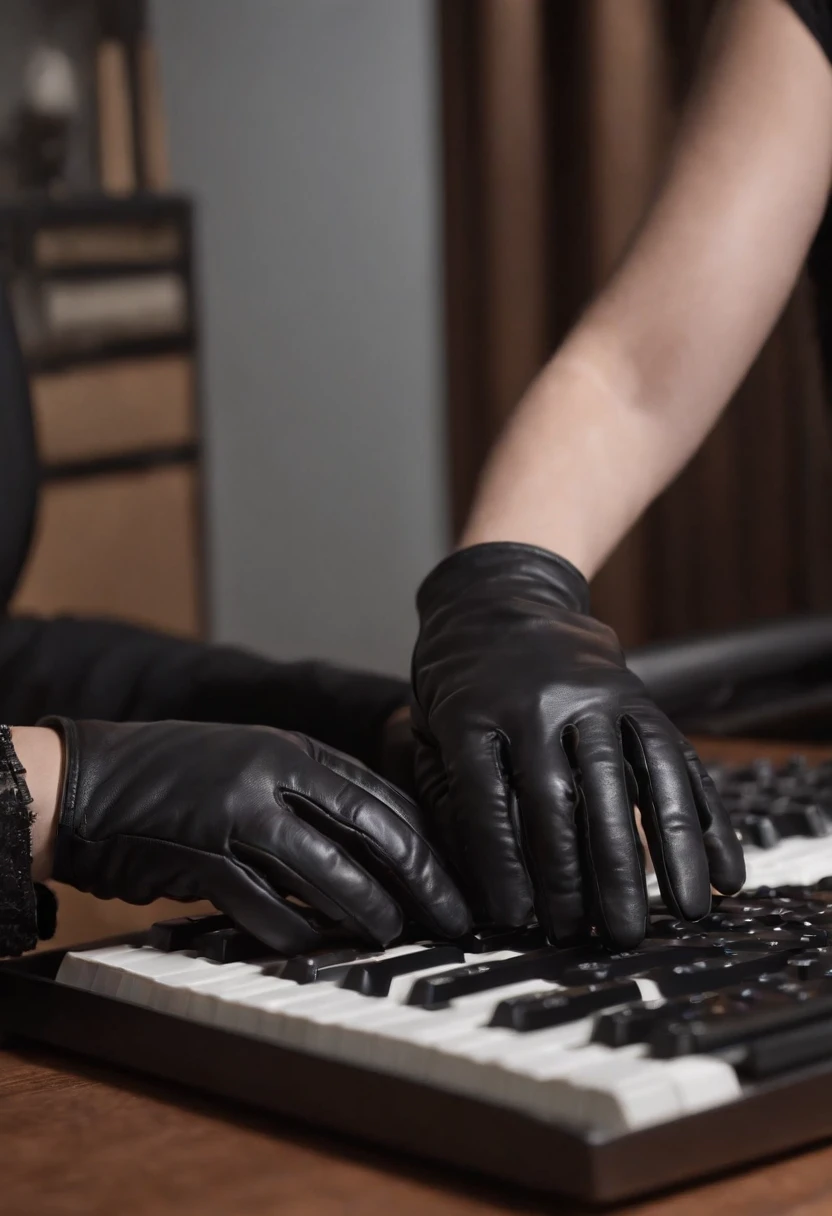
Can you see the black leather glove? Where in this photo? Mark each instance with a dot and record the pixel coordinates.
(527, 719)
(244, 816)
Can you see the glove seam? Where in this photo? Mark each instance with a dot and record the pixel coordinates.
(631, 723)
(402, 819)
(497, 736)
(348, 916)
(373, 847)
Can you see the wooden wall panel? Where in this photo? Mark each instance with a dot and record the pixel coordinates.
(125, 545)
(109, 409)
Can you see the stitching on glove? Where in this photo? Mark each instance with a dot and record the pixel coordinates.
(373, 847)
(369, 840)
(350, 917)
(636, 739)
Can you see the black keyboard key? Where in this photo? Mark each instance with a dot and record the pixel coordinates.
(635, 1023)
(435, 991)
(683, 930)
(812, 965)
(709, 976)
(546, 1009)
(786, 1049)
(230, 946)
(756, 829)
(717, 1031)
(800, 819)
(180, 933)
(619, 966)
(318, 966)
(374, 978)
(488, 941)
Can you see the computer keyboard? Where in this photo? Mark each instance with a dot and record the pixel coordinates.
(572, 1070)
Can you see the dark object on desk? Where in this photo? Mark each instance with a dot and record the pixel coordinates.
(602, 1076)
(769, 681)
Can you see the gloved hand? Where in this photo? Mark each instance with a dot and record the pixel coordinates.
(244, 816)
(526, 720)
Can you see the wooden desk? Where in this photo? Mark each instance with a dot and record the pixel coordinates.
(77, 1138)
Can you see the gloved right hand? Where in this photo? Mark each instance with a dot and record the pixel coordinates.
(245, 816)
(534, 742)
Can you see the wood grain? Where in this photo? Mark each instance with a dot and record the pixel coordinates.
(81, 1139)
(109, 409)
(122, 545)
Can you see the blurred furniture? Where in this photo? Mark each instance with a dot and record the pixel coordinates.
(557, 119)
(103, 295)
(149, 1149)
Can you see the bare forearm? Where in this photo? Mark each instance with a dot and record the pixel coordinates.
(579, 462)
(644, 376)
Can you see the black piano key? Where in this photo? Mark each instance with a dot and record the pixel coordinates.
(318, 966)
(620, 966)
(736, 905)
(544, 1010)
(180, 933)
(632, 1024)
(795, 766)
(793, 1047)
(786, 891)
(756, 829)
(809, 966)
(812, 938)
(635, 1022)
(715, 1032)
(684, 930)
(800, 819)
(374, 978)
(709, 976)
(435, 991)
(230, 946)
(723, 922)
(487, 941)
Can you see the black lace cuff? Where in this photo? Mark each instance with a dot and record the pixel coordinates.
(26, 912)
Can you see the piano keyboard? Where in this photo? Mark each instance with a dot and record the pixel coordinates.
(704, 1024)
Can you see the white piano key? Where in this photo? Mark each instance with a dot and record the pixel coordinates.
(170, 993)
(616, 1095)
(138, 975)
(110, 973)
(702, 1082)
(215, 1002)
(79, 967)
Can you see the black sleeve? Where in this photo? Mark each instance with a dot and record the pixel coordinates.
(817, 15)
(79, 668)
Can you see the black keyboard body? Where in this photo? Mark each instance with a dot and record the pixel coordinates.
(750, 989)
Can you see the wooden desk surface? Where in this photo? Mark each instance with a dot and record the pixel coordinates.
(79, 1138)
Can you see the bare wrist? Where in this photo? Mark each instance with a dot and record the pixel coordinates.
(40, 751)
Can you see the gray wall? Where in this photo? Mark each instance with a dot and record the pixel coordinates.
(308, 133)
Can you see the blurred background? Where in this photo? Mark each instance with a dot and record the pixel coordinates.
(281, 270)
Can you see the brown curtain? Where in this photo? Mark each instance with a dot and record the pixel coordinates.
(557, 118)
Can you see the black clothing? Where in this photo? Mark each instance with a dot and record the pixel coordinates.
(817, 15)
(533, 738)
(18, 463)
(244, 816)
(107, 670)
